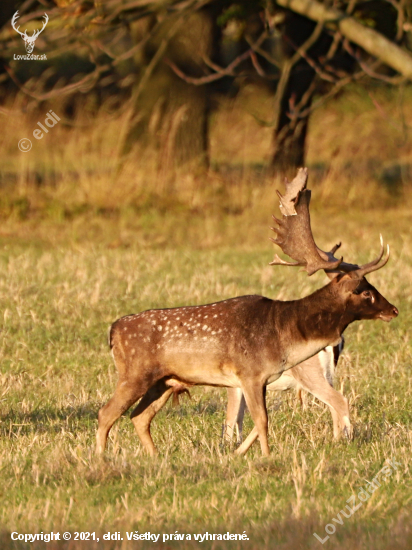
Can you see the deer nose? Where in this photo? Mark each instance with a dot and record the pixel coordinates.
(395, 311)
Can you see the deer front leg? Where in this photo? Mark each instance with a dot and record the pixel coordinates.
(255, 396)
(235, 412)
(340, 416)
(150, 404)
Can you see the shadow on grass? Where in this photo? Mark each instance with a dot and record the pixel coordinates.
(48, 419)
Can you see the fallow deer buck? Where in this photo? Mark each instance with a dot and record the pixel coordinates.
(245, 342)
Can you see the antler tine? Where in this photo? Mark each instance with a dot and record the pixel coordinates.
(276, 259)
(343, 267)
(335, 248)
(13, 23)
(46, 20)
(374, 265)
(279, 261)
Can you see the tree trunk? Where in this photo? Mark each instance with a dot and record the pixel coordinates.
(170, 118)
(293, 91)
(288, 150)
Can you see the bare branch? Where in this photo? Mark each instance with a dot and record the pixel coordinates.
(256, 48)
(303, 53)
(220, 72)
(256, 65)
(88, 81)
(368, 39)
(369, 70)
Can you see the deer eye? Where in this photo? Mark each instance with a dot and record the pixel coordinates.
(368, 294)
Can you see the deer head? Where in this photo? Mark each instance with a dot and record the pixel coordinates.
(28, 40)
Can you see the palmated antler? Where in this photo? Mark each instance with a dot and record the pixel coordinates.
(293, 190)
(294, 234)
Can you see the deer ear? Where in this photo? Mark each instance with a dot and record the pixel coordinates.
(346, 282)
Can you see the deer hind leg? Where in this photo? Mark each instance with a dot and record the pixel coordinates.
(125, 395)
(251, 438)
(255, 400)
(235, 412)
(132, 384)
(149, 406)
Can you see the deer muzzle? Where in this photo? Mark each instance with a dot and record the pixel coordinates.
(389, 314)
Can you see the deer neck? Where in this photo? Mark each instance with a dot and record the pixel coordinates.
(325, 312)
(312, 323)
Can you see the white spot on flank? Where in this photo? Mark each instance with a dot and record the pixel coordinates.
(205, 327)
(133, 351)
(159, 328)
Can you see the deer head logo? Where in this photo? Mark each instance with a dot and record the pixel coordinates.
(28, 40)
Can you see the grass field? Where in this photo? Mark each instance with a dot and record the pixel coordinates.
(56, 373)
(70, 266)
